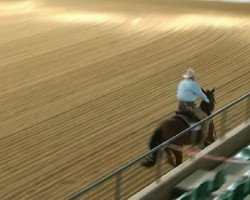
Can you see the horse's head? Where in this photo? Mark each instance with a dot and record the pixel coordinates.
(208, 107)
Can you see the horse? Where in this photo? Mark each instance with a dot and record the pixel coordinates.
(174, 125)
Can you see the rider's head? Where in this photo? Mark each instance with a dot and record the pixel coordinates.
(190, 74)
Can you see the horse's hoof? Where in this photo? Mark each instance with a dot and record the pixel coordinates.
(147, 163)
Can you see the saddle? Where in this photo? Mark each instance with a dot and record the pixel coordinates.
(190, 120)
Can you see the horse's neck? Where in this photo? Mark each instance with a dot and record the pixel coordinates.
(205, 108)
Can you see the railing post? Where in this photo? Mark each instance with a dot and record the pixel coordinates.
(223, 122)
(159, 165)
(118, 186)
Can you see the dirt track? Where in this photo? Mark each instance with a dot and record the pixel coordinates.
(83, 84)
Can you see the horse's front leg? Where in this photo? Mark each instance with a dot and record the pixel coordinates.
(211, 135)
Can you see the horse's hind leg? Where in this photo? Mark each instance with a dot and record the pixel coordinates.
(170, 157)
(178, 157)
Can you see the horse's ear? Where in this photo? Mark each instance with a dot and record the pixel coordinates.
(213, 89)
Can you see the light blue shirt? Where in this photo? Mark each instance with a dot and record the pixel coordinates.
(188, 91)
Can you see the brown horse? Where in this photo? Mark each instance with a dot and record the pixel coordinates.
(175, 125)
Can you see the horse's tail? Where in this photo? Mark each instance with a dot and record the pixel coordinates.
(155, 141)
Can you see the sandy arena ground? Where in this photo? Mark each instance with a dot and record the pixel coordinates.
(84, 83)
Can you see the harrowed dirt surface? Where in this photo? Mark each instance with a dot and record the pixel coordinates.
(84, 83)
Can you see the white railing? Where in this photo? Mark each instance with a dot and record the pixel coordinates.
(119, 172)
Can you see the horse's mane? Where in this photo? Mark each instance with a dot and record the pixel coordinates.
(208, 107)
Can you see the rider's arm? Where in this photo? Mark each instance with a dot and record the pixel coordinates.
(197, 90)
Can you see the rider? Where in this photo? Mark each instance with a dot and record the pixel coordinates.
(187, 92)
